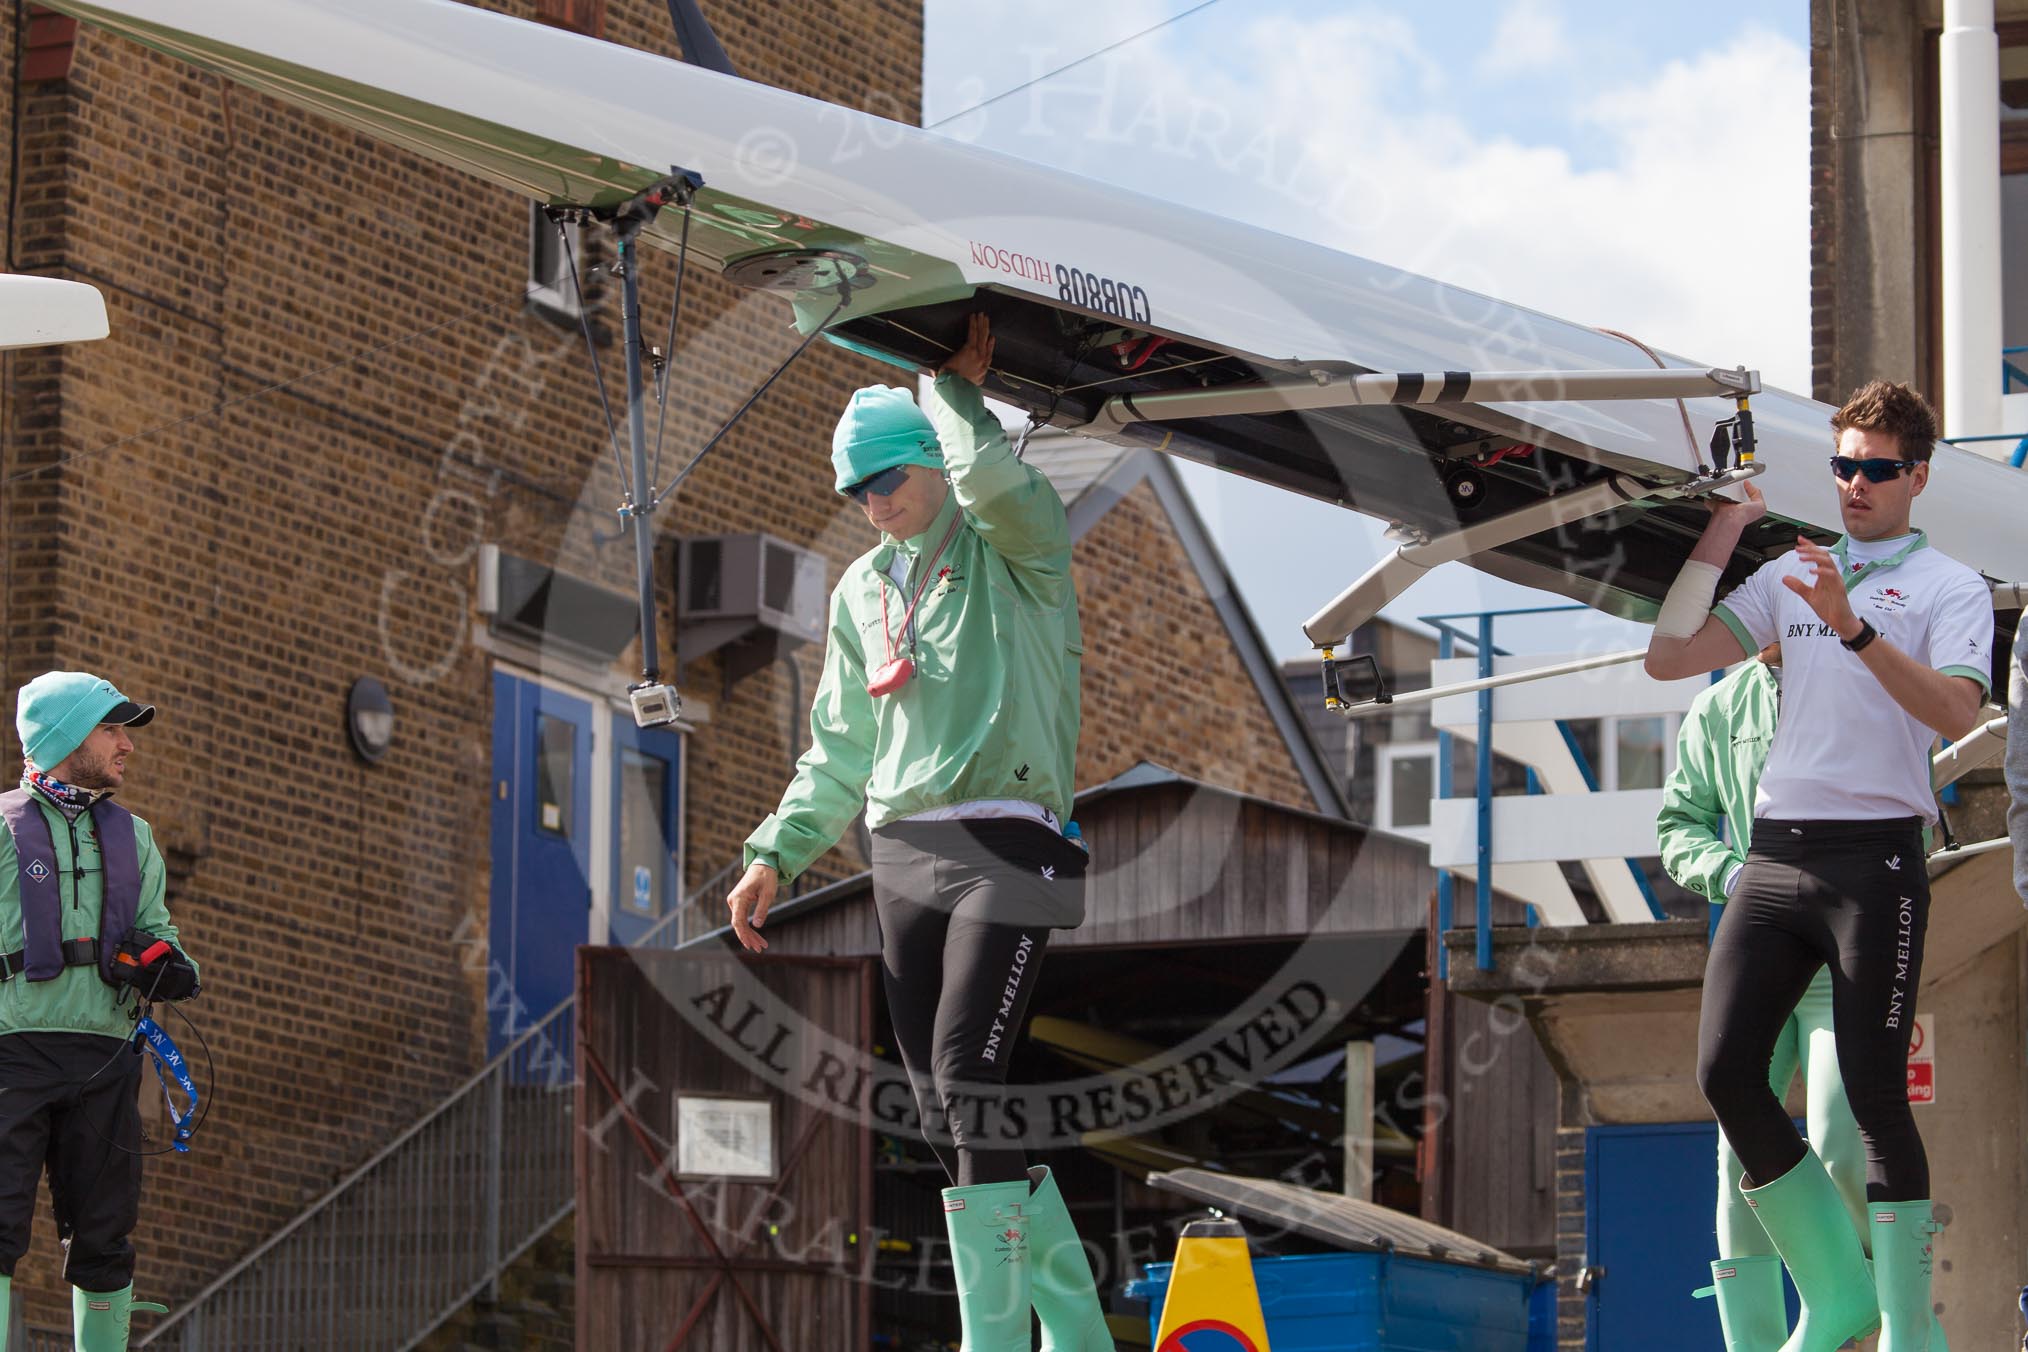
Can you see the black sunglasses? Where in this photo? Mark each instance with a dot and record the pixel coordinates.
(1876, 471)
(883, 483)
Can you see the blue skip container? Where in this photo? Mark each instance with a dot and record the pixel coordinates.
(1400, 1284)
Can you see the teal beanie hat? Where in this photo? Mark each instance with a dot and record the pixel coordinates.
(58, 709)
(882, 429)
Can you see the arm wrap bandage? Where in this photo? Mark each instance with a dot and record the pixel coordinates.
(1688, 603)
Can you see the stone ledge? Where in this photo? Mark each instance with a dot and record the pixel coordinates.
(1663, 955)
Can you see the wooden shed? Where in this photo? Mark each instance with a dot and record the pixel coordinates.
(1276, 959)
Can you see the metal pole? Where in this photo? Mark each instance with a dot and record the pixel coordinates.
(1968, 60)
(1446, 883)
(495, 1137)
(1325, 390)
(1485, 772)
(641, 498)
(1434, 693)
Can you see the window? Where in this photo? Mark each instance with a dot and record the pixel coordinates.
(555, 774)
(550, 256)
(1405, 782)
(1638, 752)
(644, 854)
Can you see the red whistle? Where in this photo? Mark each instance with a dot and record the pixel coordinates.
(891, 677)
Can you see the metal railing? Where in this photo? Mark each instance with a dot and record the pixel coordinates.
(417, 1232)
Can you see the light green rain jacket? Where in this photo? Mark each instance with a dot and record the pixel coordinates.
(992, 711)
(1719, 754)
(78, 1001)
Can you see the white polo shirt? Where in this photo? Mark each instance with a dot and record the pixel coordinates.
(1843, 749)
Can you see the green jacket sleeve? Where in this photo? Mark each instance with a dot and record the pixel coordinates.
(830, 784)
(152, 914)
(1012, 505)
(1692, 804)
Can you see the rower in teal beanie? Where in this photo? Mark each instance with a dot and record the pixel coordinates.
(57, 710)
(882, 429)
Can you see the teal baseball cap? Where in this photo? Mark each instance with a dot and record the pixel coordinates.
(882, 429)
(58, 709)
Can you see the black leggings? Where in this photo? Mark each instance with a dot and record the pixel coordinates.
(1851, 894)
(959, 975)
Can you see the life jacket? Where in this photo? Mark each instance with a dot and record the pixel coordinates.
(46, 952)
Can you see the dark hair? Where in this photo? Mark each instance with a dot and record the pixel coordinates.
(1897, 410)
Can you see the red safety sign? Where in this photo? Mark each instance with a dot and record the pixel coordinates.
(1208, 1335)
(1922, 1061)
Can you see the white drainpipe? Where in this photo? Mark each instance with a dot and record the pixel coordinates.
(1970, 57)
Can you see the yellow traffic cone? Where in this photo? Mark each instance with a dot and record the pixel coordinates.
(1212, 1305)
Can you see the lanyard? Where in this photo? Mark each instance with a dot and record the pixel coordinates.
(922, 585)
(169, 1061)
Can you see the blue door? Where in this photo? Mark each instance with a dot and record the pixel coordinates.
(1650, 1196)
(542, 852)
(645, 825)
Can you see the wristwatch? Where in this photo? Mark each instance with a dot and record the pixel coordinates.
(1867, 633)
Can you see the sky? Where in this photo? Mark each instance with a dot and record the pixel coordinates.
(1643, 168)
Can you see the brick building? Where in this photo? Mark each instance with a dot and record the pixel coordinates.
(325, 391)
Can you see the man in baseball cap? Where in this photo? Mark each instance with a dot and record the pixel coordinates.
(58, 710)
(84, 932)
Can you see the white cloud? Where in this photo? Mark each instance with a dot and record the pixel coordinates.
(1687, 226)
(1691, 233)
(1530, 37)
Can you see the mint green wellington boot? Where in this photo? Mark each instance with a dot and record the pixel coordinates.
(6, 1309)
(100, 1319)
(1066, 1297)
(1937, 1341)
(1804, 1216)
(989, 1252)
(1751, 1310)
(1901, 1269)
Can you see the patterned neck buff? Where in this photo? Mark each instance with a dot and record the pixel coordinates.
(69, 799)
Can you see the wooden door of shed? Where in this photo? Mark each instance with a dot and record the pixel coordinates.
(680, 1259)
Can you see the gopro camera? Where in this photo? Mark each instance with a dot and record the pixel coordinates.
(655, 706)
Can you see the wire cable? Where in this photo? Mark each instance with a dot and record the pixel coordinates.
(591, 350)
(669, 351)
(1050, 75)
(751, 399)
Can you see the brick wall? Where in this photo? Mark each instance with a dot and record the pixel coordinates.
(1823, 209)
(1571, 1258)
(1162, 681)
(241, 567)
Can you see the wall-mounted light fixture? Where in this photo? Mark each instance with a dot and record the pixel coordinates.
(369, 719)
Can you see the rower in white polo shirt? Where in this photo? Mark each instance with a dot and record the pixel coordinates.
(1885, 644)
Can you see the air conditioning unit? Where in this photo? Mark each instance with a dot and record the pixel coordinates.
(753, 593)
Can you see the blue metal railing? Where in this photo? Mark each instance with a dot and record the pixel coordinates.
(2020, 453)
(2012, 377)
(1480, 637)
